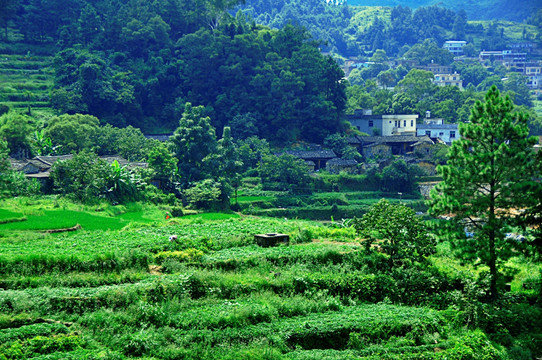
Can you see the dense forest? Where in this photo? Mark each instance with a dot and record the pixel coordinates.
(135, 63)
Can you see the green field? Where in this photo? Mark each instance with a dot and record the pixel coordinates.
(122, 290)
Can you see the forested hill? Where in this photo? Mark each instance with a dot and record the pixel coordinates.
(132, 62)
(476, 9)
(353, 30)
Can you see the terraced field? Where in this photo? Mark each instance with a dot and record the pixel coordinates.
(25, 82)
(130, 292)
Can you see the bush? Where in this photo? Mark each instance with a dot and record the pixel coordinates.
(188, 255)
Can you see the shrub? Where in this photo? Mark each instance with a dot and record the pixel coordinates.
(188, 255)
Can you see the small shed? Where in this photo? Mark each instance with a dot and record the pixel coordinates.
(271, 239)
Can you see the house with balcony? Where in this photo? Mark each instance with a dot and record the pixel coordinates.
(455, 47)
(383, 125)
(448, 80)
(505, 57)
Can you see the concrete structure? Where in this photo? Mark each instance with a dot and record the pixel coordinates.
(533, 72)
(436, 68)
(455, 47)
(448, 80)
(445, 132)
(383, 125)
(505, 57)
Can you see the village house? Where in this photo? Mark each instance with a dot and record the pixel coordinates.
(381, 147)
(39, 167)
(436, 68)
(437, 129)
(455, 47)
(383, 125)
(505, 57)
(315, 159)
(448, 80)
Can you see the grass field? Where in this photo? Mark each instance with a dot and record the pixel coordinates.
(124, 291)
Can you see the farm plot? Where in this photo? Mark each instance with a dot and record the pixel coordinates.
(214, 294)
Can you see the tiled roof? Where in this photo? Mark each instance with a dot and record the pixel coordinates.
(366, 140)
(313, 154)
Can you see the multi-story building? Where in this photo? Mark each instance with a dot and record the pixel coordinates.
(448, 79)
(383, 125)
(435, 128)
(436, 68)
(455, 47)
(505, 57)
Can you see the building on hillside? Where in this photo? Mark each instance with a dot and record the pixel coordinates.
(445, 132)
(385, 146)
(505, 57)
(533, 71)
(448, 80)
(315, 159)
(39, 167)
(527, 46)
(162, 138)
(383, 125)
(436, 68)
(351, 64)
(534, 82)
(455, 47)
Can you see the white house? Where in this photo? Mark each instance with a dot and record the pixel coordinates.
(383, 125)
(445, 132)
(455, 47)
(448, 79)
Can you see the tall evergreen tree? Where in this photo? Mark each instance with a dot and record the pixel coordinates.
(489, 176)
(193, 140)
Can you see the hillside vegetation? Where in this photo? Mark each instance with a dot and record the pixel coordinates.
(125, 293)
(477, 10)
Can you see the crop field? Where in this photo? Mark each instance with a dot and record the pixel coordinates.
(125, 291)
(319, 206)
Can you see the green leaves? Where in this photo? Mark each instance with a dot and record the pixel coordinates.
(488, 177)
(397, 231)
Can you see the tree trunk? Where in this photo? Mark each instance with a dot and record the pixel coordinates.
(492, 266)
(492, 251)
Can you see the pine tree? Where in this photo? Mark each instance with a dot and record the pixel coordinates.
(487, 181)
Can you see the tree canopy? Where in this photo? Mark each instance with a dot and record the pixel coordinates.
(488, 179)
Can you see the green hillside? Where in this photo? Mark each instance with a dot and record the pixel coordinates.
(479, 10)
(26, 81)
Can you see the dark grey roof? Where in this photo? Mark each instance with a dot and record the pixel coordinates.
(50, 159)
(162, 137)
(312, 154)
(17, 164)
(366, 140)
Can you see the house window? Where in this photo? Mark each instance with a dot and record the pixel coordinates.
(452, 134)
(411, 122)
(428, 133)
(371, 124)
(404, 123)
(440, 134)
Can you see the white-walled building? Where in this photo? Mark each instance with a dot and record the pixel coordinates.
(383, 125)
(455, 47)
(445, 132)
